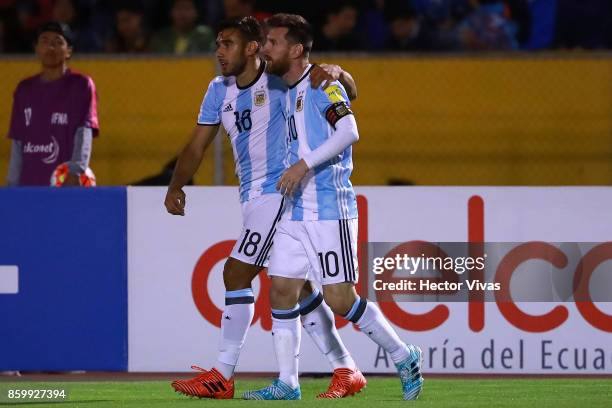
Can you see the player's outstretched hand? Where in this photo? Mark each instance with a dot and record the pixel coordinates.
(175, 201)
(324, 74)
(291, 178)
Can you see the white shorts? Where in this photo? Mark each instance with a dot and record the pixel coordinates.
(323, 251)
(259, 218)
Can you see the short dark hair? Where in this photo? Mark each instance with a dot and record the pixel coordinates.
(58, 28)
(299, 30)
(249, 28)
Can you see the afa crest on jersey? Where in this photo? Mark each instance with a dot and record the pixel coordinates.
(260, 98)
(299, 103)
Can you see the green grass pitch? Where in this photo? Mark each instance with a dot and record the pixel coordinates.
(380, 392)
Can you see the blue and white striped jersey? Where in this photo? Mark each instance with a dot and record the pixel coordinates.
(253, 117)
(326, 193)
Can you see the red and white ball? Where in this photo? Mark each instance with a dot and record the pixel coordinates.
(87, 179)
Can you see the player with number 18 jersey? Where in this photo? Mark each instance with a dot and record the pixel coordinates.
(253, 117)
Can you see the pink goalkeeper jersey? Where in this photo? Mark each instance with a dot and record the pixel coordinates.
(45, 118)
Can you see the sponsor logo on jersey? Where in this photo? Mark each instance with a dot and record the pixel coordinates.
(52, 149)
(260, 98)
(228, 108)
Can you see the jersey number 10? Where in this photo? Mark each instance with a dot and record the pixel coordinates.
(292, 129)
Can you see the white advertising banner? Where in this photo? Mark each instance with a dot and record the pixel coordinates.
(176, 288)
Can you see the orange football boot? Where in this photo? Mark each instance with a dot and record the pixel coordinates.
(209, 384)
(345, 382)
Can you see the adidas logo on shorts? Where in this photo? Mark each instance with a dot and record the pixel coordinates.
(228, 108)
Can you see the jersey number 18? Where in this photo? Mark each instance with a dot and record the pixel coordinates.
(243, 121)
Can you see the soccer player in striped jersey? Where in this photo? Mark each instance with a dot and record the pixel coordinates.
(317, 238)
(248, 103)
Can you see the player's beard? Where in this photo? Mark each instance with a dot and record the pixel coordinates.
(237, 68)
(278, 67)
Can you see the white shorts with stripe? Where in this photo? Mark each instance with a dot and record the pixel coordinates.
(324, 251)
(260, 216)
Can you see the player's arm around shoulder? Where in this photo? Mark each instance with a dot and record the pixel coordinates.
(324, 74)
(333, 103)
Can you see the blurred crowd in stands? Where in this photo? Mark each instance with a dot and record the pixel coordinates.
(188, 26)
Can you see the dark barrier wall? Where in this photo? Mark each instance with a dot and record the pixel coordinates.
(70, 310)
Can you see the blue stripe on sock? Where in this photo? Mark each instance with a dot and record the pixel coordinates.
(285, 311)
(239, 293)
(309, 299)
(353, 310)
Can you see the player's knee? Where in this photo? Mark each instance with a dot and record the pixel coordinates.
(338, 304)
(339, 298)
(284, 293)
(238, 275)
(281, 291)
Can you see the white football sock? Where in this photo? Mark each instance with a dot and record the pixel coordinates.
(318, 321)
(235, 322)
(373, 324)
(287, 336)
